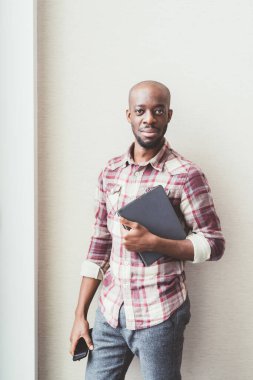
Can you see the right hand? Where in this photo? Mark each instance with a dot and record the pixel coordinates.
(80, 329)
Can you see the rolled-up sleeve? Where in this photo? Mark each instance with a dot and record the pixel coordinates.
(201, 218)
(96, 261)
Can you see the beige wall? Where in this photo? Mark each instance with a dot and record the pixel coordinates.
(90, 53)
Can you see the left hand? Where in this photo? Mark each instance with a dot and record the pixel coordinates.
(138, 239)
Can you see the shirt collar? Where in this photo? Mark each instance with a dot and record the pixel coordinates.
(157, 161)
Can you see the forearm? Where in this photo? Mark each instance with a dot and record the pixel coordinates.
(88, 289)
(178, 249)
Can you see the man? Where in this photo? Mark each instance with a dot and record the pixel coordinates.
(143, 310)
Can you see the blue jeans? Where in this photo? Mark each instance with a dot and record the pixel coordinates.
(159, 347)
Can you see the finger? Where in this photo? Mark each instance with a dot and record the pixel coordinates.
(88, 341)
(73, 347)
(123, 230)
(128, 245)
(128, 223)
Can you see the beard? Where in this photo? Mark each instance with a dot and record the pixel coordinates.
(150, 144)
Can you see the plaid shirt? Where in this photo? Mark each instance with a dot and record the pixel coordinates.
(150, 293)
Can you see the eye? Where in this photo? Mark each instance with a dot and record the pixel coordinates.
(159, 111)
(139, 111)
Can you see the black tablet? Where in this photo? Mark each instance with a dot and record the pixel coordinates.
(154, 211)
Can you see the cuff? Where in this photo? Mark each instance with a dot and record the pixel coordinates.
(90, 269)
(202, 249)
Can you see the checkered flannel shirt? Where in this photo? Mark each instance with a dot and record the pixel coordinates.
(150, 293)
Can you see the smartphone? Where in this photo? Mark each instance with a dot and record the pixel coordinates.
(81, 350)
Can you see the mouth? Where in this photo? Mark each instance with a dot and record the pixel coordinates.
(150, 133)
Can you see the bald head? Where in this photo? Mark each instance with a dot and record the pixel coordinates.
(150, 86)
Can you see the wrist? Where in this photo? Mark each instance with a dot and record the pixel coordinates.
(80, 314)
(153, 242)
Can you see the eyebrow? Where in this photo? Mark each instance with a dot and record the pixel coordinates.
(157, 105)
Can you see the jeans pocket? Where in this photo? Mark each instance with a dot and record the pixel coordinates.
(182, 315)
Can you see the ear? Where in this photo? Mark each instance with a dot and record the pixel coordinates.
(128, 116)
(170, 112)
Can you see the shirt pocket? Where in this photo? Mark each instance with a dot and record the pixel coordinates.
(112, 199)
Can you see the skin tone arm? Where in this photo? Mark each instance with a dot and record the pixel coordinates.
(80, 327)
(139, 239)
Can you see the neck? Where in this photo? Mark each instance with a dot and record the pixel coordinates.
(141, 154)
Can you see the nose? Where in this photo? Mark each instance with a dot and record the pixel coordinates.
(149, 118)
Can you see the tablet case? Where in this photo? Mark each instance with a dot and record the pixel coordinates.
(154, 211)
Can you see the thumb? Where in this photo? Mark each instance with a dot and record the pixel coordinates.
(87, 338)
(127, 222)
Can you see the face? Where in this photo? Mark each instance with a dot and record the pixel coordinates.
(149, 115)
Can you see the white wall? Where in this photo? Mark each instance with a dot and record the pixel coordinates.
(18, 240)
(90, 53)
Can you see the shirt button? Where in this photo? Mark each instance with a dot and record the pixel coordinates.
(136, 174)
(126, 262)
